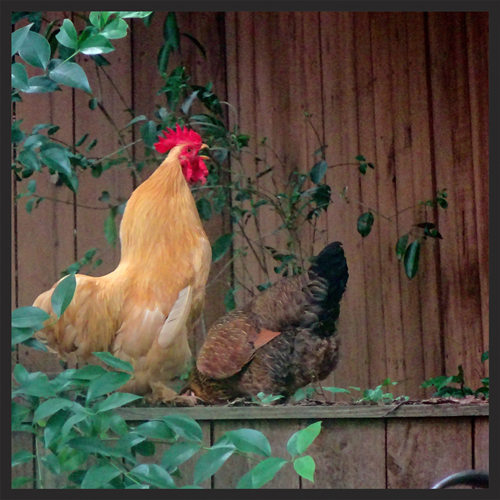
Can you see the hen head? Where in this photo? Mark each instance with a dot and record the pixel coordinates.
(193, 165)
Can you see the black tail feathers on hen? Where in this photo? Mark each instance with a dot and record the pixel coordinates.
(328, 279)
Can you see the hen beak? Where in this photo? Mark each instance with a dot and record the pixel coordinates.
(204, 157)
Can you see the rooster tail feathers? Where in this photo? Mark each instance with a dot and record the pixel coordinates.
(328, 276)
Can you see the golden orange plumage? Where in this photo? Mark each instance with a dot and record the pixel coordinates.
(165, 257)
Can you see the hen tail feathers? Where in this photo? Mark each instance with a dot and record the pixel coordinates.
(328, 277)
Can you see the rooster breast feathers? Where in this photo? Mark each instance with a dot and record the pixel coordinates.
(281, 340)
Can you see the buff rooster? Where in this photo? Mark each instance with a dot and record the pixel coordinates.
(144, 310)
(283, 339)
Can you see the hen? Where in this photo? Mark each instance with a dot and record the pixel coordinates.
(144, 310)
(283, 339)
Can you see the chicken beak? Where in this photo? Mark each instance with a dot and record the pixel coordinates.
(204, 157)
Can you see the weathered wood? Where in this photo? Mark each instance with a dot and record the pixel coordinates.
(459, 263)
(481, 443)
(296, 412)
(349, 454)
(421, 452)
(278, 432)
(477, 30)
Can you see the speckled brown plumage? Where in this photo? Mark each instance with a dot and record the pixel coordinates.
(299, 313)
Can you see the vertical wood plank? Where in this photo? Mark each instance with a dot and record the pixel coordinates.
(481, 443)
(349, 454)
(340, 122)
(460, 278)
(477, 30)
(420, 452)
(428, 334)
(277, 432)
(373, 340)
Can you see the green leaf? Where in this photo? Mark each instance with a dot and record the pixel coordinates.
(318, 171)
(29, 317)
(116, 28)
(18, 482)
(99, 475)
(95, 44)
(154, 429)
(135, 120)
(184, 427)
(35, 50)
(49, 407)
(229, 300)
(149, 133)
(411, 257)
(19, 77)
(198, 44)
(67, 35)
(88, 372)
(70, 74)
(365, 223)
(137, 14)
(95, 445)
(113, 361)
(116, 400)
(248, 441)
(401, 246)
(19, 335)
(21, 457)
(110, 229)
(106, 383)
(63, 294)
(337, 390)
(154, 475)
(204, 209)
(305, 467)
(41, 84)
(57, 158)
(301, 440)
(32, 384)
(93, 103)
(209, 463)
(485, 356)
(221, 246)
(18, 38)
(179, 453)
(171, 31)
(262, 473)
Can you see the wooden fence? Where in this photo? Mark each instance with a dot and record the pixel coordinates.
(374, 447)
(409, 91)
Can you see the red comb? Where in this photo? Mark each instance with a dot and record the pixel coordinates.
(175, 137)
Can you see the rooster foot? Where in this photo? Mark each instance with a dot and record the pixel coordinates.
(160, 393)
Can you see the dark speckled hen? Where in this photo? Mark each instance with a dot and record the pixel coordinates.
(283, 339)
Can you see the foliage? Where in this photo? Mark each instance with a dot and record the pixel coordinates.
(370, 396)
(80, 435)
(444, 389)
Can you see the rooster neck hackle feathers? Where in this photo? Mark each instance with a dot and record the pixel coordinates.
(155, 223)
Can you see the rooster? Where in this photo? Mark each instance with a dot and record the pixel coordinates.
(144, 310)
(283, 339)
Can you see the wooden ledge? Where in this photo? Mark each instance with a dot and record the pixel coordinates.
(305, 412)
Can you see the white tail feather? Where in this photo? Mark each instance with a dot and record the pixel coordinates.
(177, 317)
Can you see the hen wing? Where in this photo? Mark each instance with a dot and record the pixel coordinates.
(230, 344)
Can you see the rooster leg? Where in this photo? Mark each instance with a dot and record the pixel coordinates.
(160, 393)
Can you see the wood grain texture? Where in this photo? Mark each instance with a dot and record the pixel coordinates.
(421, 453)
(322, 412)
(349, 455)
(278, 433)
(459, 262)
(481, 443)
